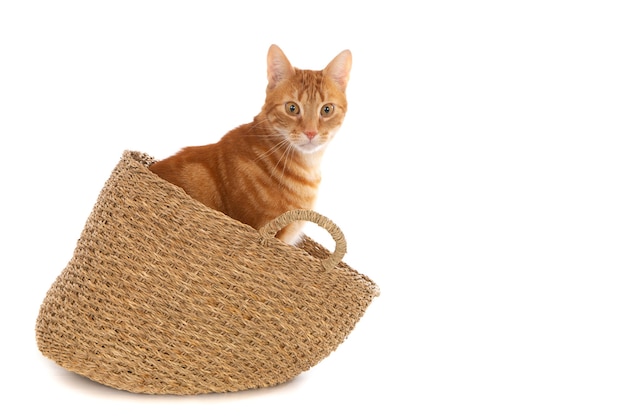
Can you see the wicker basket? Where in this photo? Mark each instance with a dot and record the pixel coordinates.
(166, 296)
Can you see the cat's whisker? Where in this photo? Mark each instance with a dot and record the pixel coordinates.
(271, 150)
(287, 152)
(291, 149)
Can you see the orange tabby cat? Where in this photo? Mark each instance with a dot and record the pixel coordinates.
(262, 169)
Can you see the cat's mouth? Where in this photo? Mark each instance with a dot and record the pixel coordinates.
(305, 145)
(310, 146)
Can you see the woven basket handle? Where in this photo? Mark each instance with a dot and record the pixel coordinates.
(271, 228)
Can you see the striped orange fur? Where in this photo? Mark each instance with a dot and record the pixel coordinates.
(262, 169)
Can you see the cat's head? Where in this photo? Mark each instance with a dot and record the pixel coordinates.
(305, 107)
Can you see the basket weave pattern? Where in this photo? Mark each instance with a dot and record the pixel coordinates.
(164, 295)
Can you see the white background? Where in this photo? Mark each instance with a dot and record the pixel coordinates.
(480, 180)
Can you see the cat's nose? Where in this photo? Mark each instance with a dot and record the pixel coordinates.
(310, 134)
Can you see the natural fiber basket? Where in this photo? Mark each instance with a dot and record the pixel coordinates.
(164, 295)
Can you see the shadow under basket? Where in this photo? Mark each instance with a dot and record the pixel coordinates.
(164, 295)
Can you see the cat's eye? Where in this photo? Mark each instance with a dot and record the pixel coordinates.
(327, 110)
(292, 108)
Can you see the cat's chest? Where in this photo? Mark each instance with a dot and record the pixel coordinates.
(299, 187)
(298, 170)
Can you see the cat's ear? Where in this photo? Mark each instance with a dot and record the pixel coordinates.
(339, 69)
(278, 67)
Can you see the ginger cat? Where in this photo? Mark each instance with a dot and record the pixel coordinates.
(262, 169)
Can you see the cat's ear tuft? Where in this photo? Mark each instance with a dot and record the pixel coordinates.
(278, 67)
(339, 69)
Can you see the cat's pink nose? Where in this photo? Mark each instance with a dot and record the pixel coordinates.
(310, 134)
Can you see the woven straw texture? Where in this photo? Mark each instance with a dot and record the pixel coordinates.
(164, 295)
